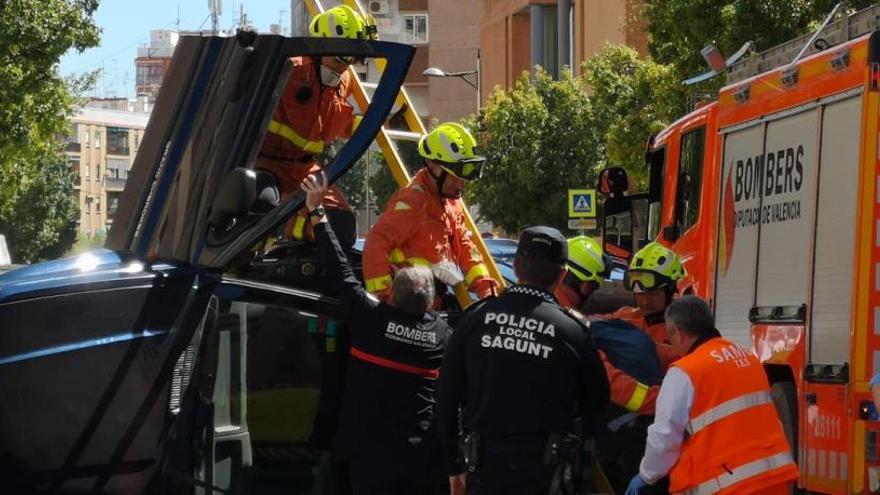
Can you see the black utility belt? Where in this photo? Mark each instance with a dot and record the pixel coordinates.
(554, 447)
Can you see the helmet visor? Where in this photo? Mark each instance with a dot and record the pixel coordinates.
(471, 169)
(640, 281)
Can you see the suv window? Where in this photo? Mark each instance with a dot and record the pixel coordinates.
(690, 173)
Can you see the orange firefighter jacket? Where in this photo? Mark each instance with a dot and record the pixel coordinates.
(657, 332)
(308, 117)
(419, 227)
(626, 391)
(731, 396)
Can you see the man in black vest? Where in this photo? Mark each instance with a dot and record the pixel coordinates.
(387, 428)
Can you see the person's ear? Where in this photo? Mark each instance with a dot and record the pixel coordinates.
(559, 278)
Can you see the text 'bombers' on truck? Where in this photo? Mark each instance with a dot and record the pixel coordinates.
(771, 196)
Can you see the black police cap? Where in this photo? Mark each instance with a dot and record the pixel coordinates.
(543, 243)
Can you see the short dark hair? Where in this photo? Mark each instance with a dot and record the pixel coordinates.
(535, 271)
(412, 290)
(691, 315)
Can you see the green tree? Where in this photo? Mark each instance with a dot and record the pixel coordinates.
(34, 105)
(681, 28)
(540, 139)
(631, 99)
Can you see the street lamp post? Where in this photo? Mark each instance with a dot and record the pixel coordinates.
(437, 72)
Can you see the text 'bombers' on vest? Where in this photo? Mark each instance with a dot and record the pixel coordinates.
(410, 333)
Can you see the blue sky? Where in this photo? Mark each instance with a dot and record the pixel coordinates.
(127, 23)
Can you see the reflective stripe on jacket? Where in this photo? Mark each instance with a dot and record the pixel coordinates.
(735, 442)
(418, 227)
(309, 114)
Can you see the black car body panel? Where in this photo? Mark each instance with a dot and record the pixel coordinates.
(108, 360)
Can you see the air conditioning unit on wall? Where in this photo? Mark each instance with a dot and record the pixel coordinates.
(378, 7)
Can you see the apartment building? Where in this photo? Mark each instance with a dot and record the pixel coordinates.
(100, 150)
(553, 33)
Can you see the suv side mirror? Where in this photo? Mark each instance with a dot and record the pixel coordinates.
(234, 199)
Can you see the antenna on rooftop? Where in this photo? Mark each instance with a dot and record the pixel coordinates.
(216, 8)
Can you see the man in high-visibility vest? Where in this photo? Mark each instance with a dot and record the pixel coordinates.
(424, 223)
(313, 112)
(716, 430)
(652, 275)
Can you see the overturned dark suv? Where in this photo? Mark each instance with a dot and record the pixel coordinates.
(158, 364)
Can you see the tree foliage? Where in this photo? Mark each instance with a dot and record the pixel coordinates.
(540, 139)
(681, 28)
(34, 105)
(632, 98)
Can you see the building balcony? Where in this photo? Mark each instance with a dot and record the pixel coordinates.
(73, 147)
(114, 184)
(118, 150)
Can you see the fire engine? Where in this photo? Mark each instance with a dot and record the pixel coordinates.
(771, 195)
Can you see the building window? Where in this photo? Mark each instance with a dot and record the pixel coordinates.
(117, 168)
(137, 140)
(415, 28)
(73, 165)
(550, 56)
(148, 75)
(97, 138)
(112, 203)
(689, 178)
(71, 140)
(117, 141)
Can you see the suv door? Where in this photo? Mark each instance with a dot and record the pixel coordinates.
(98, 351)
(283, 354)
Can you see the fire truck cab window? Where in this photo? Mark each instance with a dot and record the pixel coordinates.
(689, 178)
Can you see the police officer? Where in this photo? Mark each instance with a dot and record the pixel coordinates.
(387, 430)
(523, 371)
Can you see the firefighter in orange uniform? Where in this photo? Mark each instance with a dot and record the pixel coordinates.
(652, 276)
(631, 363)
(586, 265)
(423, 223)
(716, 430)
(313, 112)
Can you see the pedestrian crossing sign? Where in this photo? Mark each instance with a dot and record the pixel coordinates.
(581, 203)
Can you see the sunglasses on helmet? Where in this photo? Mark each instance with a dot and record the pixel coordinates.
(470, 169)
(644, 280)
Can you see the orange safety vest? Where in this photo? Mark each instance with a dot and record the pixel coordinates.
(734, 441)
(418, 227)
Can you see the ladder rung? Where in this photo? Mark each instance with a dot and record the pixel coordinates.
(403, 135)
(369, 85)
